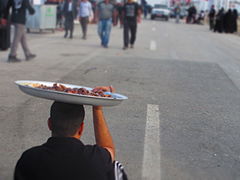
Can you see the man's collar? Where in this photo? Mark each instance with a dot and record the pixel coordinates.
(60, 140)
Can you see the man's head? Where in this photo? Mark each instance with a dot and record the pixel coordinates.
(66, 120)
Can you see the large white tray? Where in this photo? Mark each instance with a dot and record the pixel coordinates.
(68, 97)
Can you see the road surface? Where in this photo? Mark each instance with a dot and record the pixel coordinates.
(181, 121)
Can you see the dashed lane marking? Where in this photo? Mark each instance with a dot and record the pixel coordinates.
(153, 45)
(151, 169)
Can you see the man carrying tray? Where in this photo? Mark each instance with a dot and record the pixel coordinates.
(64, 156)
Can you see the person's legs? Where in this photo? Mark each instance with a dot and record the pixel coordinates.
(26, 50)
(211, 23)
(24, 42)
(107, 31)
(71, 27)
(133, 30)
(100, 30)
(125, 34)
(177, 18)
(66, 27)
(18, 31)
(84, 23)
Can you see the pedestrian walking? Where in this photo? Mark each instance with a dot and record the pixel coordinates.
(131, 16)
(144, 7)
(69, 13)
(177, 12)
(105, 12)
(85, 11)
(18, 18)
(211, 17)
(64, 156)
(192, 12)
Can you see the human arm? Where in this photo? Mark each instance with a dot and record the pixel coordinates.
(90, 10)
(6, 12)
(79, 11)
(114, 15)
(29, 7)
(102, 134)
(139, 12)
(96, 13)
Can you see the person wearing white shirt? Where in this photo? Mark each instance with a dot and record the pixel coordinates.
(85, 11)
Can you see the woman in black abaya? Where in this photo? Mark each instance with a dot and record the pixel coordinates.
(219, 21)
(235, 19)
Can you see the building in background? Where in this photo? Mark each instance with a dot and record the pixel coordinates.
(200, 4)
(226, 4)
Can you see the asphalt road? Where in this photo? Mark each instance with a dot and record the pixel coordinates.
(181, 121)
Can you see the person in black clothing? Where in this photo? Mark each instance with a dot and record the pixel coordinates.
(4, 28)
(70, 13)
(131, 16)
(228, 21)
(211, 17)
(219, 24)
(64, 156)
(19, 8)
(235, 19)
(192, 12)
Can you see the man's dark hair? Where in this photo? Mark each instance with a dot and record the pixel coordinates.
(66, 118)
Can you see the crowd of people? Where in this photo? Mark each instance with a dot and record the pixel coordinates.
(106, 13)
(223, 21)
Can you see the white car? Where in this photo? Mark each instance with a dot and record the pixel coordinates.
(160, 11)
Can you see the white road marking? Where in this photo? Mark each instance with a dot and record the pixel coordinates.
(151, 168)
(153, 45)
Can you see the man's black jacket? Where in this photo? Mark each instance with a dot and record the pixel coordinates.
(18, 15)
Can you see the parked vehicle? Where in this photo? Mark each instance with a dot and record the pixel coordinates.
(160, 11)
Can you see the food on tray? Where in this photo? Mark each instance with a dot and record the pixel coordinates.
(62, 88)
